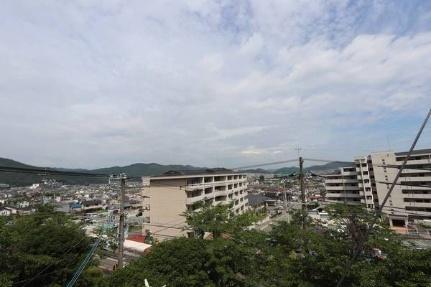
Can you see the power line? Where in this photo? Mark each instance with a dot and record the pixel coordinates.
(83, 264)
(40, 171)
(86, 260)
(265, 164)
(322, 160)
(388, 194)
(64, 257)
(380, 209)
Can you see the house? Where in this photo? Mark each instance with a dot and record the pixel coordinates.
(5, 212)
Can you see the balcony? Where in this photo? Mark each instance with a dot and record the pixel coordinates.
(328, 188)
(192, 187)
(418, 161)
(221, 183)
(415, 178)
(194, 199)
(343, 195)
(418, 204)
(349, 173)
(413, 195)
(222, 192)
(349, 180)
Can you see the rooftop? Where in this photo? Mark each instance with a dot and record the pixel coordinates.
(419, 151)
(209, 171)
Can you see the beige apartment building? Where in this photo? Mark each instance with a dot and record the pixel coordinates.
(168, 196)
(373, 175)
(411, 197)
(343, 186)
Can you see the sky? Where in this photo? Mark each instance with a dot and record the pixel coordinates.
(95, 83)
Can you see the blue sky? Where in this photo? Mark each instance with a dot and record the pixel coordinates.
(91, 83)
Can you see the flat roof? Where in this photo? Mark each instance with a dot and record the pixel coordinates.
(160, 177)
(196, 173)
(137, 246)
(418, 151)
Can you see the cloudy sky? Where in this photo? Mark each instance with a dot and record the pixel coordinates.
(91, 83)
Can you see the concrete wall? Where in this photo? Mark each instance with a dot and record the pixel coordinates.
(167, 203)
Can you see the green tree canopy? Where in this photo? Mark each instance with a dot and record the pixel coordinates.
(289, 255)
(40, 249)
(218, 219)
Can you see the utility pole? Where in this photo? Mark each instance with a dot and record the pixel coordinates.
(285, 200)
(403, 165)
(301, 188)
(122, 220)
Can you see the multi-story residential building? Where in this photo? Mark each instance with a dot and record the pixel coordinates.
(342, 186)
(168, 196)
(372, 178)
(366, 182)
(411, 196)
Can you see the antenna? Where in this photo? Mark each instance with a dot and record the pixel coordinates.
(298, 149)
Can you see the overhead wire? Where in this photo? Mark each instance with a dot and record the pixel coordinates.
(388, 194)
(45, 171)
(64, 257)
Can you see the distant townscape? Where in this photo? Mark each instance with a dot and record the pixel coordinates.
(215, 143)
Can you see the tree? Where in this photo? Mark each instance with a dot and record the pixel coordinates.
(289, 255)
(41, 249)
(178, 262)
(192, 262)
(357, 248)
(219, 219)
(213, 219)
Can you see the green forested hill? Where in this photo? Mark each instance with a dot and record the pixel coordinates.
(133, 170)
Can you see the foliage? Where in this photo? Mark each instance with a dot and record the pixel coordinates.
(40, 249)
(214, 219)
(192, 262)
(218, 219)
(109, 235)
(149, 239)
(289, 255)
(180, 261)
(355, 247)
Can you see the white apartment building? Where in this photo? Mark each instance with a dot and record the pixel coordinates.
(168, 196)
(373, 176)
(366, 182)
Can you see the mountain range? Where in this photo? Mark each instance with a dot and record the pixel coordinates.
(133, 170)
(324, 168)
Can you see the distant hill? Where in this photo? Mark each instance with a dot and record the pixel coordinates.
(292, 169)
(15, 179)
(256, 170)
(133, 170)
(330, 166)
(315, 168)
(12, 163)
(144, 169)
(286, 170)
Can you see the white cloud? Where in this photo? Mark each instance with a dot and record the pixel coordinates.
(92, 83)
